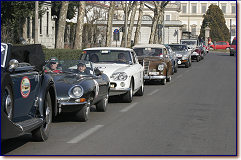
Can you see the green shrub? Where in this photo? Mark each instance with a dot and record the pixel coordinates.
(62, 54)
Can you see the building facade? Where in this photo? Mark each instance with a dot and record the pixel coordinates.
(192, 13)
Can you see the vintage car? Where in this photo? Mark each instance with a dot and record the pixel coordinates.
(233, 47)
(122, 68)
(28, 96)
(197, 51)
(156, 62)
(198, 54)
(77, 90)
(183, 54)
(173, 57)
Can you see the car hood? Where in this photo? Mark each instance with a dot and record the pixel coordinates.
(109, 69)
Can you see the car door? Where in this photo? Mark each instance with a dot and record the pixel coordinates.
(25, 88)
(137, 71)
(167, 61)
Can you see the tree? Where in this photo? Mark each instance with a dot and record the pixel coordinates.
(138, 28)
(109, 23)
(79, 26)
(13, 16)
(131, 25)
(157, 19)
(61, 24)
(214, 18)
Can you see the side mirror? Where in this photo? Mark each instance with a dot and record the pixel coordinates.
(13, 64)
(97, 72)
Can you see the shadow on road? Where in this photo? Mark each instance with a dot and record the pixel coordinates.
(14, 143)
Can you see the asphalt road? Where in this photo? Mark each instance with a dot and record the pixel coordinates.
(194, 114)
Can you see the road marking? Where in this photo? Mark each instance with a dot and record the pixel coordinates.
(85, 134)
(153, 92)
(129, 107)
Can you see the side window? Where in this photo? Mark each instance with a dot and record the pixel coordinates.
(224, 43)
(134, 57)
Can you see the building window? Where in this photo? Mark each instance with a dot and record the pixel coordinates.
(184, 8)
(168, 17)
(40, 25)
(234, 9)
(204, 8)
(193, 29)
(47, 29)
(147, 18)
(224, 9)
(28, 27)
(194, 8)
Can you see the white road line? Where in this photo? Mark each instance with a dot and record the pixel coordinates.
(153, 92)
(128, 107)
(85, 134)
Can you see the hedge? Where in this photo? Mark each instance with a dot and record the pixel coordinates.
(62, 54)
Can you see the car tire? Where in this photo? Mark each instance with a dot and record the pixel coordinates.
(101, 106)
(186, 64)
(7, 98)
(83, 114)
(140, 92)
(198, 58)
(163, 81)
(231, 54)
(127, 97)
(175, 68)
(169, 79)
(42, 133)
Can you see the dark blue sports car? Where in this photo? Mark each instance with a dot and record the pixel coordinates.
(78, 87)
(28, 96)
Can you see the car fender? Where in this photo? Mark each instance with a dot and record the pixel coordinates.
(47, 85)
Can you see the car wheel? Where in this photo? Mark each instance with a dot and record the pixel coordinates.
(231, 54)
(7, 101)
(101, 106)
(127, 97)
(83, 114)
(42, 133)
(169, 79)
(186, 64)
(163, 81)
(140, 92)
(198, 58)
(175, 69)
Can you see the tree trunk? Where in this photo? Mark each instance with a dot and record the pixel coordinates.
(109, 24)
(138, 28)
(131, 25)
(79, 26)
(61, 25)
(153, 28)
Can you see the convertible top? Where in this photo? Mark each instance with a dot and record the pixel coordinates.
(32, 54)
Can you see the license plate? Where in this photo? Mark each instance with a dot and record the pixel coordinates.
(154, 73)
(179, 62)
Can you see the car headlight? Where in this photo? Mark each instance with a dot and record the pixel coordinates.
(119, 76)
(160, 67)
(76, 92)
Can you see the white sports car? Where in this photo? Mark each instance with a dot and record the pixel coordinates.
(121, 66)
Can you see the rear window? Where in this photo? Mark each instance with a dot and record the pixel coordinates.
(148, 51)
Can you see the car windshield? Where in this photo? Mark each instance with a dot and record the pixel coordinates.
(3, 54)
(107, 56)
(178, 47)
(70, 66)
(148, 51)
(189, 42)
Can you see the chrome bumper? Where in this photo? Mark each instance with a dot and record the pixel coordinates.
(118, 91)
(154, 77)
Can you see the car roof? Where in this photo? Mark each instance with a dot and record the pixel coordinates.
(108, 48)
(149, 45)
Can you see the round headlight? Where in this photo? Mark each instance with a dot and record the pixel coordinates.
(120, 76)
(76, 92)
(160, 67)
